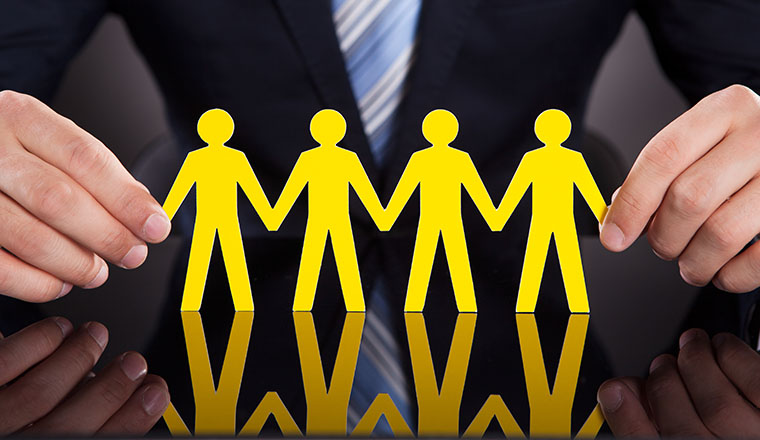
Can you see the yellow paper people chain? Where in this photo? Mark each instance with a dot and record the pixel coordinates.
(440, 171)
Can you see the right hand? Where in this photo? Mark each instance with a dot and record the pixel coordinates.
(47, 388)
(66, 205)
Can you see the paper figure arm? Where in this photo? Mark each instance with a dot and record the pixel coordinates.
(587, 186)
(252, 189)
(476, 189)
(515, 191)
(404, 189)
(181, 186)
(360, 182)
(293, 187)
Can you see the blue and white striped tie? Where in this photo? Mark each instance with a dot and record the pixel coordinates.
(378, 41)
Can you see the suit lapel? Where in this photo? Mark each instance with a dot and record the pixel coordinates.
(311, 25)
(442, 27)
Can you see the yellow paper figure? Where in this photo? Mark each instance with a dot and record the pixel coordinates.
(551, 409)
(216, 171)
(440, 171)
(328, 170)
(552, 171)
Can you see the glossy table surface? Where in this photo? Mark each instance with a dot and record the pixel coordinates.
(324, 373)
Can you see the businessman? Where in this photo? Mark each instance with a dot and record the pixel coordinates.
(68, 205)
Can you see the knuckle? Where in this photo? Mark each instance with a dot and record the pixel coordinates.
(723, 233)
(87, 156)
(11, 101)
(113, 392)
(52, 197)
(116, 242)
(663, 153)
(737, 95)
(717, 412)
(690, 197)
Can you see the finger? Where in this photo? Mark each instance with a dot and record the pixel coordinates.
(141, 411)
(670, 402)
(61, 143)
(664, 158)
(36, 243)
(722, 236)
(740, 363)
(27, 347)
(699, 191)
(90, 407)
(25, 282)
(57, 200)
(742, 273)
(40, 390)
(623, 410)
(718, 403)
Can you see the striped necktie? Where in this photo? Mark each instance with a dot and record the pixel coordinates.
(378, 41)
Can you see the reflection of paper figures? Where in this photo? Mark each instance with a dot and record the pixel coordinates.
(494, 408)
(550, 409)
(440, 171)
(439, 408)
(215, 406)
(216, 171)
(327, 407)
(552, 171)
(382, 406)
(328, 170)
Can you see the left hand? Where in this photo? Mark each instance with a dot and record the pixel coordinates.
(695, 190)
(711, 389)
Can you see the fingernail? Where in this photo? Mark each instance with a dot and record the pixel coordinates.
(65, 289)
(155, 401)
(657, 363)
(720, 339)
(98, 332)
(64, 325)
(687, 337)
(612, 237)
(100, 278)
(157, 227)
(610, 397)
(133, 365)
(614, 195)
(661, 257)
(135, 257)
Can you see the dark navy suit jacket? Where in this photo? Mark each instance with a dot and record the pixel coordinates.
(495, 63)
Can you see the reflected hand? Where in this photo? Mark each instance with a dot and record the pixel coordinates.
(711, 389)
(695, 189)
(48, 388)
(66, 204)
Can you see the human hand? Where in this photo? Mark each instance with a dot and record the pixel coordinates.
(711, 389)
(66, 204)
(45, 387)
(694, 188)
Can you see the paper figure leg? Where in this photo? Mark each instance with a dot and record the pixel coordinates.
(237, 271)
(459, 268)
(308, 273)
(348, 269)
(572, 270)
(422, 265)
(533, 269)
(197, 266)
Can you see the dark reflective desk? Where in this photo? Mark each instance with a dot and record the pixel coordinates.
(323, 373)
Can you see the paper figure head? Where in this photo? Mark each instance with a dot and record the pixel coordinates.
(215, 127)
(328, 127)
(440, 127)
(553, 127)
